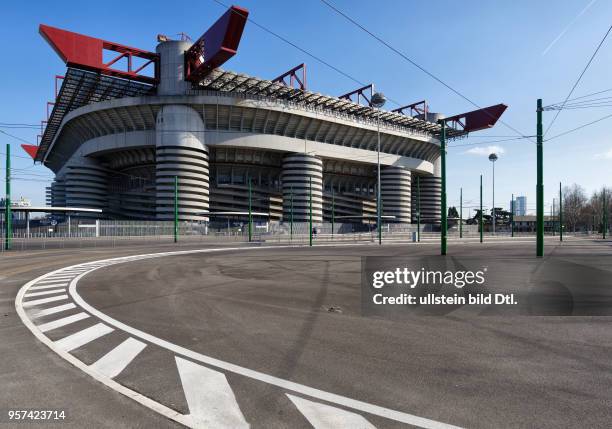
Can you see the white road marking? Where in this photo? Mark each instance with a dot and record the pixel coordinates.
(83, 337)
(53, 310)
(54, 324)
(323, 416)
(49, 281)
(211, 401)
(60, 278)
(46, 292)
(32, 303)
(115, 361)
(63, 284)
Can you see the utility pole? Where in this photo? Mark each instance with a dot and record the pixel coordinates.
(250, 212)
(310, 208)
(175, 209)
(512, 216)
(560, 214)
(333, 212)
(460, 212)
(443, 224)
(605, 214)
(481, 225)
(8, 220)
(291, 217)
(419, 209)
(552, 218)
(540, 184)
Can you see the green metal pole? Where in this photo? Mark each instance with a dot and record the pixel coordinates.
(460, 212)
(333, 212)
(512, 216)
(605, 214)
(552, 218)
(481, 225)
(419, 208)
(540, 184)
(8, 219)
(443, 223)
(250, 212)
(310, 209)
(560, 214)
(291, 217)
(175, 209)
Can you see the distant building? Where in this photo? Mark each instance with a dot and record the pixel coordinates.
(21, 202)
(520, 206)
(529, 223)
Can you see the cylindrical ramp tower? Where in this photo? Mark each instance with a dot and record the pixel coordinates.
(85, 185)
(171, 67)
(180, 151)
(395, 193)
(298, 169)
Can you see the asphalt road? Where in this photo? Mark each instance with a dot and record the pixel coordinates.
(269, 311)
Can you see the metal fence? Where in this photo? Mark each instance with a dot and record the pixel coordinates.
(104, 233)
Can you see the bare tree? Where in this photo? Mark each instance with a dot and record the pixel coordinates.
(574, 202)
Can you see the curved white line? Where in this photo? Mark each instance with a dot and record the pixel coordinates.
(279, 382)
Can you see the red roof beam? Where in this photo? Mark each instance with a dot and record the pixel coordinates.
(30, 149)
(85, 52)
(477, 120)
(293, 77)
(420, 108)
(360, 92)
(217, 45)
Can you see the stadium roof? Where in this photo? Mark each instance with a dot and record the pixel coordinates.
(79, 88)
(82, 87)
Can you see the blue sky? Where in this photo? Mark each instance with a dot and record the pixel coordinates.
(495, 51)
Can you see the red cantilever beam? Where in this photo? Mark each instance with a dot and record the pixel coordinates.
(217, 45)
(30, 149)
(477, 120)
(85, 52)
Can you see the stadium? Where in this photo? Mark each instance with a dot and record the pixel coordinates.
(121, 140)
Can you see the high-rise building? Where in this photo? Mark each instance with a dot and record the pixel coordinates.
(520, 206)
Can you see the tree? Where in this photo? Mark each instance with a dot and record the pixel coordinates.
(574, 203)
(453, 213)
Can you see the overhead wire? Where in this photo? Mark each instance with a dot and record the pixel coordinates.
(579, 79)
(414, 63)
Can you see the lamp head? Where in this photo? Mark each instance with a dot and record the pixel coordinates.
(378, 100)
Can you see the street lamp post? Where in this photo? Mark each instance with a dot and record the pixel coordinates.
(493, 158)
(378, 100)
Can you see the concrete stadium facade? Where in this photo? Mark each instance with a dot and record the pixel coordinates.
(122, 155)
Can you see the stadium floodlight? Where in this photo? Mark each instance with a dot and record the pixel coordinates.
(493, 157)
(378, 100)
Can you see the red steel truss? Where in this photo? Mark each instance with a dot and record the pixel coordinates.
(414, 109)
(476, 120)
(217, 45)
(294, 77)
(85, 52)
(360, 93)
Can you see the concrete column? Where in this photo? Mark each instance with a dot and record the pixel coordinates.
(395, 193)
(298, 168)
(180, 151)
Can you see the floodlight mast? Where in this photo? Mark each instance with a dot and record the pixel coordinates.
(378, 100)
